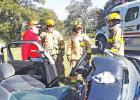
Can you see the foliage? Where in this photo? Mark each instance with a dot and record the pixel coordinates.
(11, 13)
(82, 11)
(15, 15)
(46, 14)
(77, 10)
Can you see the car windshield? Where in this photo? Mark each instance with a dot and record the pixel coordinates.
(56, 93)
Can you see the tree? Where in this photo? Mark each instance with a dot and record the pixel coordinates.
(49, 14)
(12, 13)
(46, 14)
(92, 15)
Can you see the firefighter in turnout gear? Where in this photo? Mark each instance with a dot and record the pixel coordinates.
(78, 44)
(53, 42)
(115, 42)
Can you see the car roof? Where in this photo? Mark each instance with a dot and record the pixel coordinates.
(127, 4)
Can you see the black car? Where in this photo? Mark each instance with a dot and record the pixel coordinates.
(111, 77)
(44, 70)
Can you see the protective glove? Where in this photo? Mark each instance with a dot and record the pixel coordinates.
(88, 56)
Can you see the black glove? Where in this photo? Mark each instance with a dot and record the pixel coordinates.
(89, 56)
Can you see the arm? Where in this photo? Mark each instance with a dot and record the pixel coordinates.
(42, 38)
(88, 47)
(25, 47)
(117, 38)
(61, 44)
(68, 49)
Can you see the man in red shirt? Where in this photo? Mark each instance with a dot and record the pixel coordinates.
(30, 35)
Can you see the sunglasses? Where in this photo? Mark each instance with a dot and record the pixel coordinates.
(37, 25)
(50, 26)
(78, 28)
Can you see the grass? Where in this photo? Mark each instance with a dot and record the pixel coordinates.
(17, 56)
(65, 81)
(1, 41)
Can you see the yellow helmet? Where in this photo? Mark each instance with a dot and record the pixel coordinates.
(50, 22)
(113, 16)
(78, 24)
(33, 22)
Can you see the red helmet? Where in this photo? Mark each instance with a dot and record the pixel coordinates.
(33, 22)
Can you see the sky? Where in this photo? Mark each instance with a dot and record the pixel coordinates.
(59, 6)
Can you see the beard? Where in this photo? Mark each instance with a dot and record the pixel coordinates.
(35, 30)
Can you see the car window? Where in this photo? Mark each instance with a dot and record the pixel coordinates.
(16, 51)
(137, 96)
(132, 14)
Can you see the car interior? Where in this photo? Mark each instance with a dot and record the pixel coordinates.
(43, 70)
(24, 87)
(24, 75)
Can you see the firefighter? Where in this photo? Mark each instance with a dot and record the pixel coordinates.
(115, 41)
(78, 44)
(54, 43)
(30, 34)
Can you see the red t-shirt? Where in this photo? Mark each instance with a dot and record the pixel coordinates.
(27, 48)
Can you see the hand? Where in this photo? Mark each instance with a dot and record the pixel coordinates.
(88, 56)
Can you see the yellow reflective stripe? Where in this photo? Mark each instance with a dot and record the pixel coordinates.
(88, 50)
(114, 50)
(58, 51)
(62, 46)
(82, 44)
(121, 39)
(110, 40)
(113, 38)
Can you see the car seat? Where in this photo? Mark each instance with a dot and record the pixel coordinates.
(12, 82)
(109, 89)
